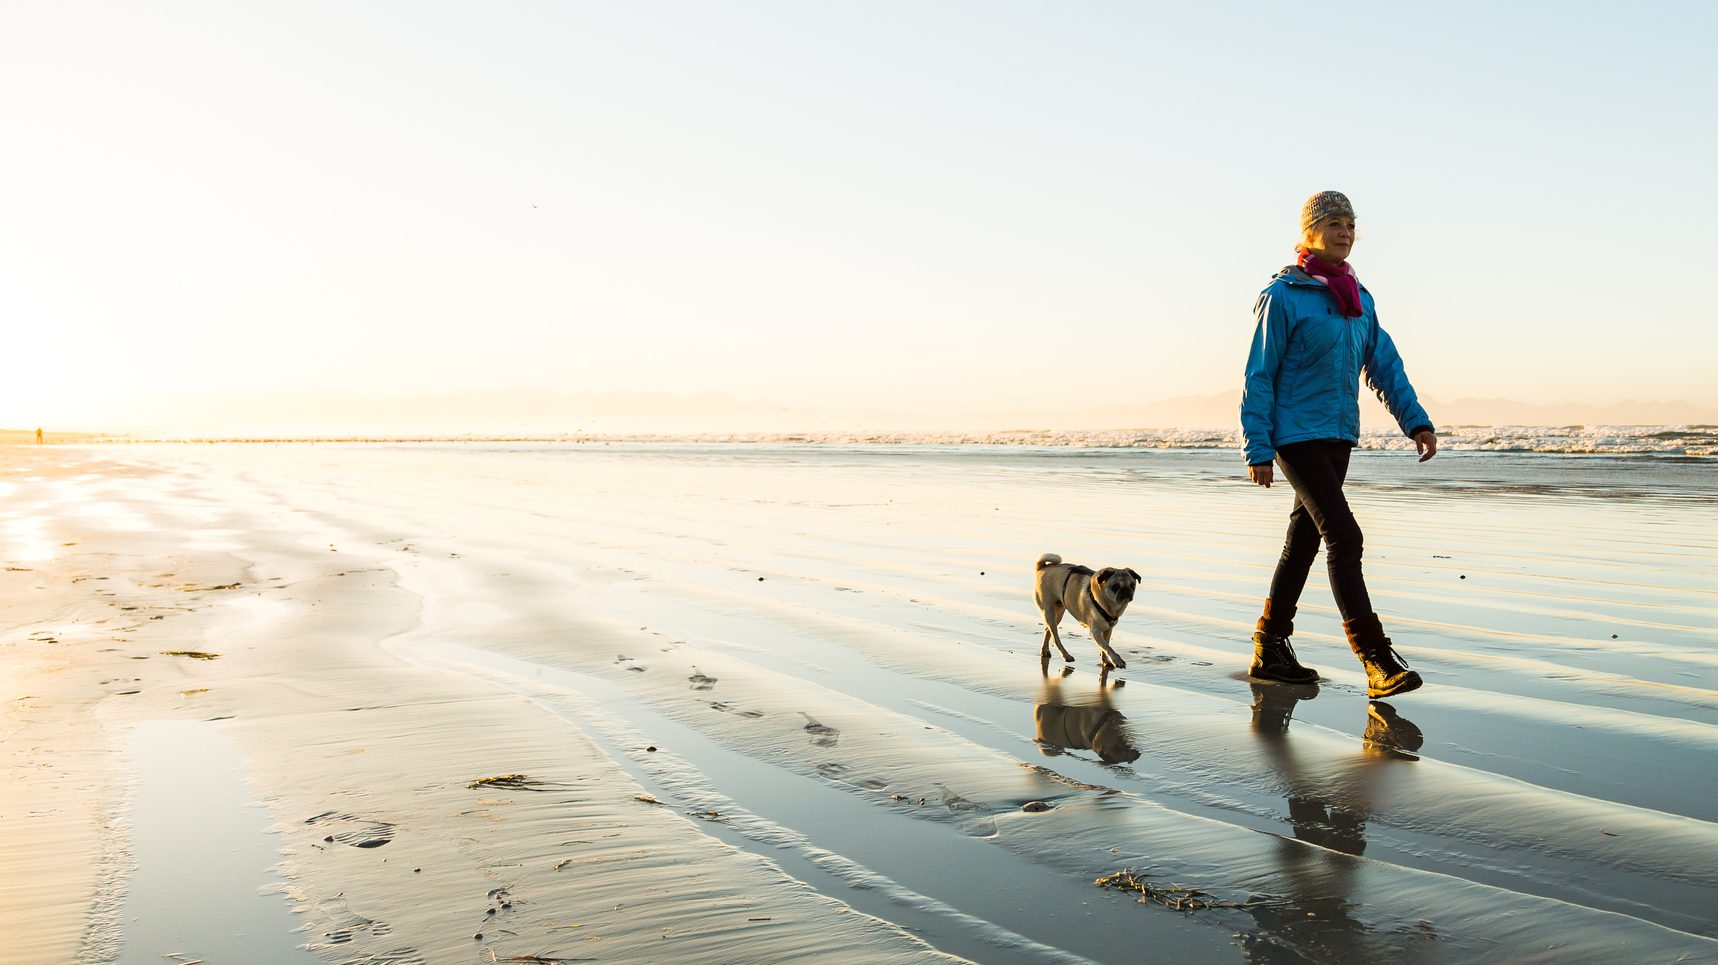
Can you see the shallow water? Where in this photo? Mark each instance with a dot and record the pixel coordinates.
(818, 639)
(202, 888)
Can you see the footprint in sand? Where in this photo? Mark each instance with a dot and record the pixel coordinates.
(838, 772)
(397, 956)
(349, 927)
(701, 682)
(358, 926)
(823, 735)
(724, 707)
(351, 830)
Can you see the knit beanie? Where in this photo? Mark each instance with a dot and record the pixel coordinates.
(1324, 204)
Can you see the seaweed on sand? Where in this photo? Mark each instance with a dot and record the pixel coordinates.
(193, 654)
(514, 782)
(1177, 897)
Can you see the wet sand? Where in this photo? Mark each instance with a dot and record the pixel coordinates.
(776, 703)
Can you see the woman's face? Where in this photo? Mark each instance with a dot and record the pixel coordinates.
(1331, 239)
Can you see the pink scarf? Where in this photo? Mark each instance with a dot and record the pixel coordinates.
(1340, 279)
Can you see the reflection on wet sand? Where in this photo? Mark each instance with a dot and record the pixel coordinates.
(1328, 810)
(1091, 723)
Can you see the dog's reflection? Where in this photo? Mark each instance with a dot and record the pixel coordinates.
(1328, 808)
(1092, 724)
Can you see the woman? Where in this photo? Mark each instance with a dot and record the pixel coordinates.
(1317, 335)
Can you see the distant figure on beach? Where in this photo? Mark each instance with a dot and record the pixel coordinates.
(38, 435)
(1317, 336)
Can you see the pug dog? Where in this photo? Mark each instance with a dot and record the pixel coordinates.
(1096, 599)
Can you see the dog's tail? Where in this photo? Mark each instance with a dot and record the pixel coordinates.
(1048, 559)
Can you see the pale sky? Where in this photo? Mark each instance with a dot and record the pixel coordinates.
(947, 204)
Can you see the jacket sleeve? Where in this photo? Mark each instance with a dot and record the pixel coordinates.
(1259, 389)
(1386, 377)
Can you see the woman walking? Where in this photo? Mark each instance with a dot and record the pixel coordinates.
(1317, 336)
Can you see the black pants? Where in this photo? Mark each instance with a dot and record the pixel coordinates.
(1316, 470)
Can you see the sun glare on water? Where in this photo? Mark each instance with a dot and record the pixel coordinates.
(26, 541)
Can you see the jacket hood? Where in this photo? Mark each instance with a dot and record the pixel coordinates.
(1295, 275)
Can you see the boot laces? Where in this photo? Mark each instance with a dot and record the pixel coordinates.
(1279, 650)
(1389, 659)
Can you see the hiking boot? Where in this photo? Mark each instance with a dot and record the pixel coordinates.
(1386, 672)
(1274, 659)
(1388, 733)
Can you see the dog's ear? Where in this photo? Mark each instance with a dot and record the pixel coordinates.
(1105, 574)
(1136, 577)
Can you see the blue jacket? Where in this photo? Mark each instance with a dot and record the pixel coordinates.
(1304, 370)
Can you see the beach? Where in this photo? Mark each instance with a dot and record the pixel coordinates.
(719, 702)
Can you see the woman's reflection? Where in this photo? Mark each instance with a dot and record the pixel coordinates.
(1328, 807)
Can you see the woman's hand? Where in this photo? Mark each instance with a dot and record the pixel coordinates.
(1426, 442)
(1261, 474)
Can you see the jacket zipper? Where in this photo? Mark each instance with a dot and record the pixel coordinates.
(1349, 378)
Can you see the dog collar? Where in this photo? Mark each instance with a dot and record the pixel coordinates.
(1100, 604)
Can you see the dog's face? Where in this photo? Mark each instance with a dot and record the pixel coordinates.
(1118, 584)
